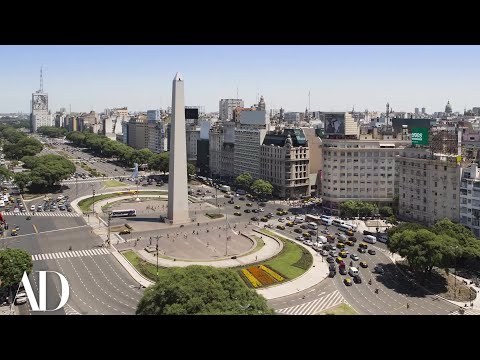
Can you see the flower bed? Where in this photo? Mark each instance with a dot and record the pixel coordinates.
(272, 273)
(261, 275)
(255, 283)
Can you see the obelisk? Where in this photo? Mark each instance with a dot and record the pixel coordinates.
(177, 178)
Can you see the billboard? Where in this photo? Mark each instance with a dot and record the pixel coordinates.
(419, 136)
(191, 114)
(335, 123)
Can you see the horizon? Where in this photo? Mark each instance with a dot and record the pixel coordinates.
(337, 77)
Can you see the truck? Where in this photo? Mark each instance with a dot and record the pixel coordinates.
(225, 188)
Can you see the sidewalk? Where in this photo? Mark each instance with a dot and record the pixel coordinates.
(317, 273)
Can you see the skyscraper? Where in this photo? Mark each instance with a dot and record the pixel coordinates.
(40, 115)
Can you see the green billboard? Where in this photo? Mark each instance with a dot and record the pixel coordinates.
(420, 136)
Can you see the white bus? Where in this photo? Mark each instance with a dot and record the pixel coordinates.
(124, 213)
(370, 239)
(338, 222)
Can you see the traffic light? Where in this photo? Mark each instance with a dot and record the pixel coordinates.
(93, 192)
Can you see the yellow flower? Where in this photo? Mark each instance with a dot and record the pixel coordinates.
(272, 273)
(255, 283)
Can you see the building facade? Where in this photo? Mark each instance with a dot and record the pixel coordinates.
(247, 151)
(361, 170)
(216, 137)
(428, 186)
(226, 107)
(285, 163)
(470, 199)
(192, 136)
(40, 115)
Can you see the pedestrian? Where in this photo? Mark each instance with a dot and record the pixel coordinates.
(256, 256)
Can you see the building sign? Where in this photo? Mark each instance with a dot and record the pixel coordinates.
(335, 123)
(419, 136)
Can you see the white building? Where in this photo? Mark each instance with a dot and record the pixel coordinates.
(470, 198)
(359, 170)
(226, 107)
(428, 186)
(216, 137)
(192, 135)
(40, 115)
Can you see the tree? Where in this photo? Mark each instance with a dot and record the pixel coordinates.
(160, 162)
(385, 211)
(76, 137)
(391, 220)
(244, 181)
(24, 147)
(403, 227)
(22, 179)
(262, 188)
(47, 170)
(52, 131)
(5, 174)
(201, 290)
(191, 169)
(13, 263)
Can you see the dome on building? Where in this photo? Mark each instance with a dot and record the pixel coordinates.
(448, 108)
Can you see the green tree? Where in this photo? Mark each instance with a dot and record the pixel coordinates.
(52, 131)
(76, 137)
(24, 147)
(391, 220)
(191, 170)
(385, 211)
(22, 179)
(262, 188)
(5, 174)
(160, 162)
(403, 227)
(13, 263)
(201, 290)
(244, 181)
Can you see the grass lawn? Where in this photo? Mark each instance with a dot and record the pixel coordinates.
(145, 268)
(292, 261)
(113, 183)
(341, 309)
(85, 204)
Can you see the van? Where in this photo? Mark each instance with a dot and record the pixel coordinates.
(322, 239)
(326, 222)
(312, 226)
(345, 227)
(370, 239)
(353, 271)
(337, 222)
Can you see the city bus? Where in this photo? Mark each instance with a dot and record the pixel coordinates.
(313, 218)
(124, 213)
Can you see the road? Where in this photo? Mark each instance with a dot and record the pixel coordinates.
(98, 283)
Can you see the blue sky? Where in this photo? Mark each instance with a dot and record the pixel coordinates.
(338, 77)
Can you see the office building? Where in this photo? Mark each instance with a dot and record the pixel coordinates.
(226, 107)
(470, 198)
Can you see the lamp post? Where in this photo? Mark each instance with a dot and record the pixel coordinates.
(157, 255)
(76, 186)
(93, 191)
(109, 218)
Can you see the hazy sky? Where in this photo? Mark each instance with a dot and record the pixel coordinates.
(338, 77)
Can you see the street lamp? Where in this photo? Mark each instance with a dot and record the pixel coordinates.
(93, 191)
(157, 255)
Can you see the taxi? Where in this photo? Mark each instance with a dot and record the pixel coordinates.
(289, 224)
(363, 264)
(341, 245)
(347, 281)
(281, 227)
(349, 243)
(343, 254)
(14, 232)
(339, 260)
(349, 233)
(249, 204)
(363, 246)
(124, 232)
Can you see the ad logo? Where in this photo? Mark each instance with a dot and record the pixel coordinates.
(42, 291)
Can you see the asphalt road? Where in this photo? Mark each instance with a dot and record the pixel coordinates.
(98, 283)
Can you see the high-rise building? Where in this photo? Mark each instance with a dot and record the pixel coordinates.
(359, 170)
(428, 185)
(417, 111)
(424, 111)
(226, 107)
(192, 136)
(285, 162)
(153, 115)
(470, 198)
(40, 115)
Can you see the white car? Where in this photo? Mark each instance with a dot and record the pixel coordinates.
(300, 238)
(261, 210)
(19, 300)
(32, 208)
(16, 210)
(324, 253)
(290, 218)
(281, 220)
(60, 197)
(308, 242)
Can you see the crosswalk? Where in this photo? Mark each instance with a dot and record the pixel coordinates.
(314, 306)
(48, 213)
(70, 254)
(467, 312)
(70, 311)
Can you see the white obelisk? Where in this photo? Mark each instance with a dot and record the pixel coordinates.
(177, 178)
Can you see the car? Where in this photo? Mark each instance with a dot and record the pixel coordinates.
(60, 197)
(343, 254)
(249, 204)
(237, 213)
(279, 213)
(19, 300)
(255, 218)
(357, 279)
(324, 253)
(371, 251)
(290, 218)
(255, 211)
(325, 231)
(297, 230)
(299, 238)
(312, 232)
(363, 264)
(330, 260)
(349, 233)
(270, 226)
(341, 245)
(354, 257)
(306, 235)
(304, 226)
(279, 209)
(237, 207)
(231, 202)
(332, 274)
(62, 208)
(290, 224)
(124, 232)
(349, 243)
(284, 212)
(261, 210)
(32, 208)
(347, 281)
(241, 198)
(281, 227)
(69, 209)
(342, 270)
(352, 239)
(363, 245)
(308, 242)
(248, 211)
(228, 196)
(362, 250)
(264, 219)
(339, 260)
(281, 220)
(378, 269)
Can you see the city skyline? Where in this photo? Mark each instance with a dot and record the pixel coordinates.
(337, 77)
